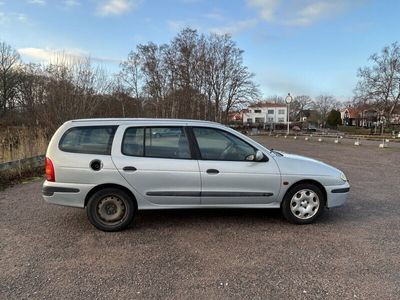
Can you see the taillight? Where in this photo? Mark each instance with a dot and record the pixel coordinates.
(50, 174)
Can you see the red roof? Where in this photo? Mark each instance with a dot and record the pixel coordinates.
(353, 112)
(267, 104)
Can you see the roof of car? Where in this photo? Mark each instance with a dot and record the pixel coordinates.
(143, 120)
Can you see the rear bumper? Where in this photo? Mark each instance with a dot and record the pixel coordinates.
(66, 194)
(337, 195)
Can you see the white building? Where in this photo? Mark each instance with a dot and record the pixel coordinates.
(265, 113)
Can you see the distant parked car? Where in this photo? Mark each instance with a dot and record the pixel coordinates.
(162, 132)
(311, 129)
(296, 128)
(115, 167)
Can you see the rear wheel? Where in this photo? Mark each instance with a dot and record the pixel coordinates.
(303, 204)
(110, 209)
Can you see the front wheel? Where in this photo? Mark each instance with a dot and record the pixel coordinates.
(303, 204)
(110, 209)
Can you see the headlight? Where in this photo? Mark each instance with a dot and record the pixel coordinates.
(343, 177)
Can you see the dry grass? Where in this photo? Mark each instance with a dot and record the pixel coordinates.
(18, 142)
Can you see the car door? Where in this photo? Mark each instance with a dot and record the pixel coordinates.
(159, 166)
(228, 174)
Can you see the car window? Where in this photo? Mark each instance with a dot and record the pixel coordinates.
(161, 142)
(88, 139)
(166, 142)
(217, 144)
(133, 142)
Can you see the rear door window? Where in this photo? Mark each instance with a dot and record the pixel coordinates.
(167, 142)
(88, 139)
(160, 142)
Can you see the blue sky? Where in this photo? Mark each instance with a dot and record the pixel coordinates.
(298, 46)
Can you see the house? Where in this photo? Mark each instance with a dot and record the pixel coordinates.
(309, 115)
(349, 116)
(237, 116)
(361, 116)
(265, 113)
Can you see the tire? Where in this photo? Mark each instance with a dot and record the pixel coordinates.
(303, 204)
(110, 209)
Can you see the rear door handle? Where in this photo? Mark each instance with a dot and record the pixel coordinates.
(129, 169)
(212, 171)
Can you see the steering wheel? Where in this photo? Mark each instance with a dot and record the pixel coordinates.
(226, 151)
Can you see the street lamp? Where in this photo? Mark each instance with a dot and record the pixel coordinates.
(288, 99)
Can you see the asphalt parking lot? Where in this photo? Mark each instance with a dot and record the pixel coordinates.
(353, 252)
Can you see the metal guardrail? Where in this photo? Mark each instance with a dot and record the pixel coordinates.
(22, 164)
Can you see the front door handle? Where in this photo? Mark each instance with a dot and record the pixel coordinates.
(212, 171)
(129, 169)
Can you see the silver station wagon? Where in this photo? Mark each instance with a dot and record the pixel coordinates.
(115, 167)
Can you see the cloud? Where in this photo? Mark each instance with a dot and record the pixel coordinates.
(10, 17)
(71, 3)
(266, 8)
(235, 28)
(216, 16)
(312, 12)
(299, 12)
(37, 2)
(50, 55)
(67, 56)
(21, 17)
(116, 7)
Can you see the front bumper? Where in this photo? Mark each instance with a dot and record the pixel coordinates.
(66, 194)
(337, 195)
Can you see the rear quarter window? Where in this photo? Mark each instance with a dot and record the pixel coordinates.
(88, 139)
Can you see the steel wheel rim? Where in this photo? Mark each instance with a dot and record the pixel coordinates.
(304, 204)
(111, 210)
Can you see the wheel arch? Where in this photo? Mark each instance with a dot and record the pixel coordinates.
(309, 181)
(111, 185)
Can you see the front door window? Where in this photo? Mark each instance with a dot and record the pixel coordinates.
(216, 144)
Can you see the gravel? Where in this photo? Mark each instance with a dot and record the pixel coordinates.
(353, 252)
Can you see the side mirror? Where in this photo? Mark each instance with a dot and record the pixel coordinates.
(259, 156)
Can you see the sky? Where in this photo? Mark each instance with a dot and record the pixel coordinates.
(305, 47)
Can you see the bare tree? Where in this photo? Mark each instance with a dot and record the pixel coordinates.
(31, 91)
(324, 104)
(131, 75)
(9, 77)
(229, 81)
(275, 99)
(153, 68)
(240, 87)
(72, 88)
(194, 76)
(379, 84)
(181, 60)
(299, 104)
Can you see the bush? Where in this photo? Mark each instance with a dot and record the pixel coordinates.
(334, 119)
